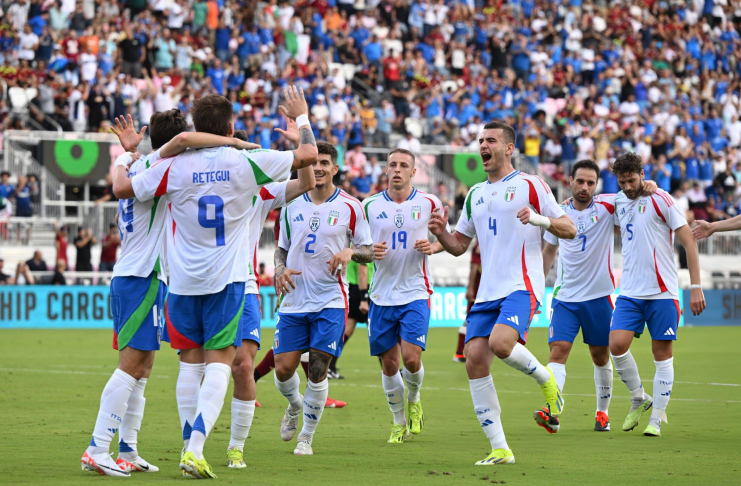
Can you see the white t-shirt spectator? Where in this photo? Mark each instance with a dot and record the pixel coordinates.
(165, 101)
(77, 107)
(27, 44)
(338, 111)
(88, 66)
(587, 60)
(585, 146)
(458, 58)
(18, 15)
(177, 16)
(286, 13)
(412, 145)
(696, 195)
(734, 133)
(321, 112)
(629, 111)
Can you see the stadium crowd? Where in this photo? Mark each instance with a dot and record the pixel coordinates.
(578, 78)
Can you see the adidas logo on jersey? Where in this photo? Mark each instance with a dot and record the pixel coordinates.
(300, 217)
(669, 332)
(255, 333)
(480, 201)
(333, 346)
(421, 339)
(382, 216)
(514, 320)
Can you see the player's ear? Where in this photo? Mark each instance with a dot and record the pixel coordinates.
(509, 149)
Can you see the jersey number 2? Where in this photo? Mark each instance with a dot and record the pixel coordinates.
(311, 239)
(217, 222)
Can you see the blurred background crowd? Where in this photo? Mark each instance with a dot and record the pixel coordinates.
(576, 78)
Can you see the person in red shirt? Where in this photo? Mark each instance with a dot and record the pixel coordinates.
(111, 241)
(71, 47)
(392, 68)
(61, 244)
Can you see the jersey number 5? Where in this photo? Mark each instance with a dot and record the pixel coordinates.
(629, 229)
(217, 222)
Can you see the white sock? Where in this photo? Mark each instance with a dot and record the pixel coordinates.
(559, 371)
(242, 414)
(314, 401)
(488, 412)
(210, 401)
(186, 392)
(603, 386)
(523, 360)
(113, 403)
(290, 390)
(132, 422)
(627, 369)
(414, 382)
(663, 381)
(394, 388)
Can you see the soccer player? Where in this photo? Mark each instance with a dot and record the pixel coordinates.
(649, 289)
(358, 275)
(582, 300)
(399, 315)
(271, 196)
(506, 213)
(315, 230)
(137, 297)
(210, 193)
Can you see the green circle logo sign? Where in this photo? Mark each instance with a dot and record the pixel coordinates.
(468, 168)
(76, 159)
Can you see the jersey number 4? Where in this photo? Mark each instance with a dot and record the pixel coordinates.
(217, 221)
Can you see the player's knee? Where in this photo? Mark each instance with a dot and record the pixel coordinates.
(501, 349)
(618, 348)
(283, 372)
(413, 363)
(242, 369)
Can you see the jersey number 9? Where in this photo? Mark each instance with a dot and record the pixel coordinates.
(217, 222)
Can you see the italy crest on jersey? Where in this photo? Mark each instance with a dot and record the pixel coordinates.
(642, 206)
(399, 220)
(334, 216)
(314, 224)
(581, 227)
(416, 212)
(510, 194)
(593, 217)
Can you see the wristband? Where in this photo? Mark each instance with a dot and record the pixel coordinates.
(365, 297)
(538, 220)
(693, 287)
(123, 160)
(302, 120)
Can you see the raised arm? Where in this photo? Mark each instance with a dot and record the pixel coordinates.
(306, 180)
(454, 243)
(297, 109)
(186, 140)
(697, 298)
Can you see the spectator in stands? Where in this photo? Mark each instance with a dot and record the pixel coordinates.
(37, 264)
(5, 279)
(23, 275)
(110, 244)
(355, 159)
(58, 278)
(443, 194)
(374, 169)
(363, 184)
(6, 188)
(265, 279)
(23, 207)
(107, 192)
(84, 244)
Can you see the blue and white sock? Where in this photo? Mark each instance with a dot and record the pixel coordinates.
(113, 403)
(210, 401)
(488, 411)
(523, 360)
(414, 382)
(663, 381)
(132, 422)
(315, 399)
(186, 392)
(394, 388)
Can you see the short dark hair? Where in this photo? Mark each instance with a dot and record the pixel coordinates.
(585, 164)
(401, 151)
(165, 125)
(509, 132)
(628, 163)
(327, 149)
(241, 135)
(5, 173)
(212, 114)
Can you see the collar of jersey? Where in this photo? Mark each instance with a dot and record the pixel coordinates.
(411, 195)
(334, 196)
(507, 178)
(571, 205)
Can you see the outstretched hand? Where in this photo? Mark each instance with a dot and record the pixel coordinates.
(295, 102)
(438, 221)
(126, 133)
(291, 131)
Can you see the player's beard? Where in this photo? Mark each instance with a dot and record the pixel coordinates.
(637, 193)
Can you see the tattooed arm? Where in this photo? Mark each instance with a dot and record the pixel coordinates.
(296, 108)
(363, 254)
(358, 254)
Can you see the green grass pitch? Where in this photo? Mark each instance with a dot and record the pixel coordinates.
(50, 385)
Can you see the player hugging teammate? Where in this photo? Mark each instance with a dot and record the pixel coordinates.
(196, 216)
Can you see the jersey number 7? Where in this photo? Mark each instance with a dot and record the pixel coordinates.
(217, 222)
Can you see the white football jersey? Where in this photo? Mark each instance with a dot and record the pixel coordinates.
(312, 234)
(403, 276)
(142, 228)
(647, 227)
(270, 197)
(585, 263)
(511, 256)
(210, 195)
